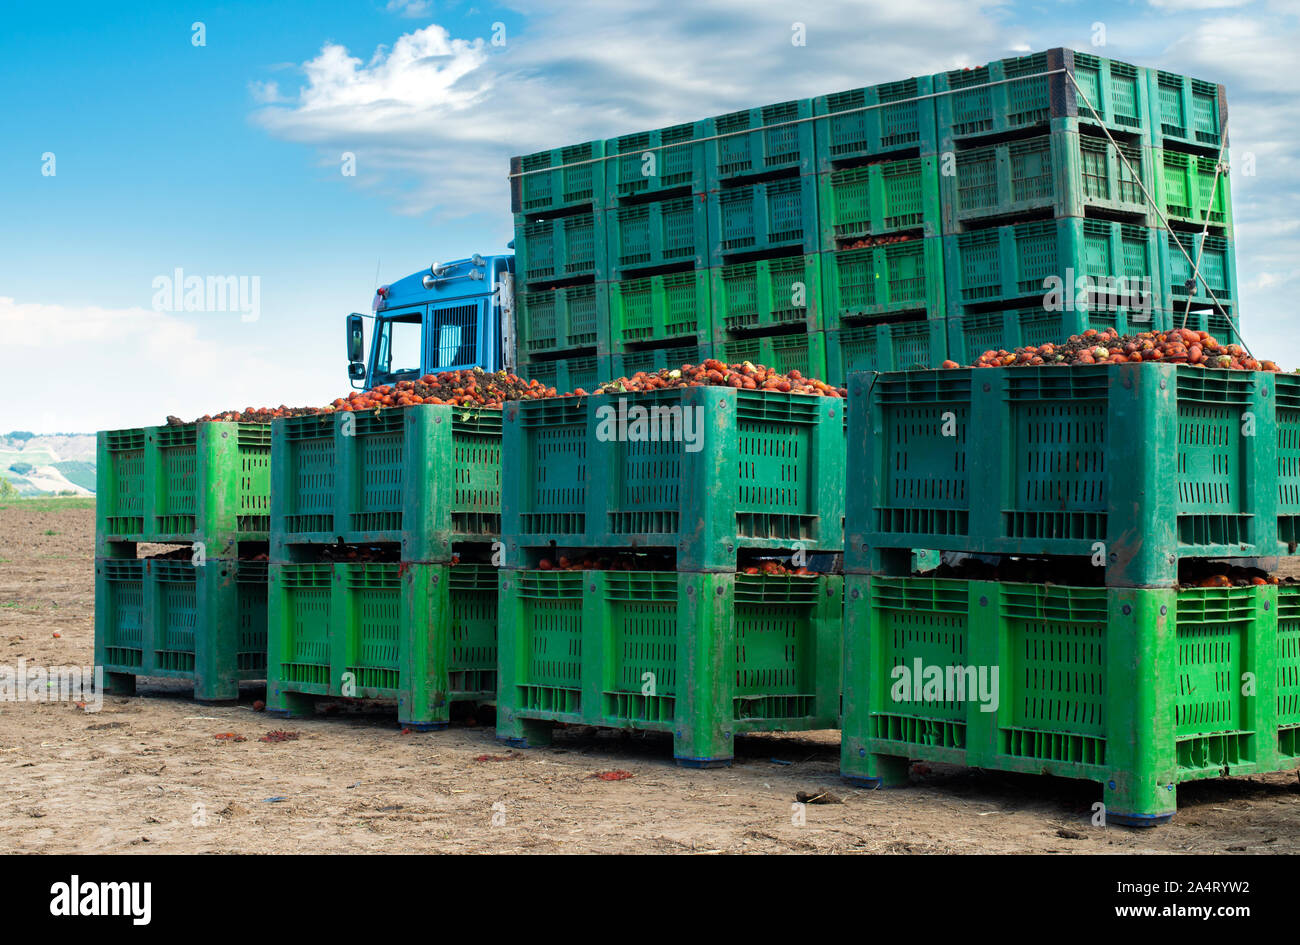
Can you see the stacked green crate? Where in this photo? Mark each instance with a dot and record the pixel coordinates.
(1136, 684)
(764, 231)
(880, 250)
(417, 633)
(1192, 189)
(561, 299)
(1067, 136)
(1137, 689)
(655, 216)
(385, 531)
(195, 613)
(704, 486)
(705, 657)
(1041, 461)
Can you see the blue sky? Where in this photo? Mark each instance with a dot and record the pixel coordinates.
(224, 159)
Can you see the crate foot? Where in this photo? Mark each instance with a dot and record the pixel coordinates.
(1141, 804)
(871, 784)
(289, 705)
(703, 762)
(119, 684)
(423, 726)
(524, 733)
(874, 770)
(1138, 820)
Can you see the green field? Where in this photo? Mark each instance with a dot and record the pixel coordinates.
(49, 503)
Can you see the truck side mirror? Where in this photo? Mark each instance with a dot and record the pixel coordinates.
(356, 339)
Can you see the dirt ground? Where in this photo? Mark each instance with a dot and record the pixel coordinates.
(146, 774)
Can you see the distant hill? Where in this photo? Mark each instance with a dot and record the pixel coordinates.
(48, 465)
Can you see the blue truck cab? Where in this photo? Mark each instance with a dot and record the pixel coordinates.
(448, 317)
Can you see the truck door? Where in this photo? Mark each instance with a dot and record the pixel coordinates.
(397, 345)
(456, 337)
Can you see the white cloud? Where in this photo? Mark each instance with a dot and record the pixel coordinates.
(265, 93)
(437, 118)
(1256, 52)
(1183, 5)
(86, 368)
(409, 8)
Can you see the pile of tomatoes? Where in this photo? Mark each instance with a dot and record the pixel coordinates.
(470, 388)
(871, 241)
(714, 373)
(479, 388)
(1178, 346)
(775, 567)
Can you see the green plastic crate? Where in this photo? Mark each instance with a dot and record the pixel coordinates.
(805, 353)
(649, 235)
(1011, 95)
(194, 482)
(421, 634)
(767, 294)
(1136, 465)
(1287, 446)
(1218, 270)
(424, 477)
(661, 308)
(751, 470)
(1097, 263)
(972, 334)
(170, 618)
(655, 162)
(706, 657)
(554, 320)
(878, 119)
(558, 179)
(1187, 191)
(566, 374)
(1186, 111)
(761, 141)
(633, 360)
(1138, 690)
(876, 199)
(886, 346)
(885, 280)
(762, 217)
(1063, 173)
(559, 248)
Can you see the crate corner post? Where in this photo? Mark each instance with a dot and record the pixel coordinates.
(703, 729)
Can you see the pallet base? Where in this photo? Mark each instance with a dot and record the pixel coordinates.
(300, 705)
(892, 773)
(118, 683)
(537, 733)
(1136, 690)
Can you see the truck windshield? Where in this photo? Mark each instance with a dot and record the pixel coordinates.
(398, 347)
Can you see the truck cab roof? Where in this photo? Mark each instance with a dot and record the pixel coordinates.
(455, 280)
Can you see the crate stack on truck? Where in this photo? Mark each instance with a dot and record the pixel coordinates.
(192, 605)
(383, 577)
(562, 303)
(1072, 187)
(883, 227)
(881, 249)
(642, 589)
